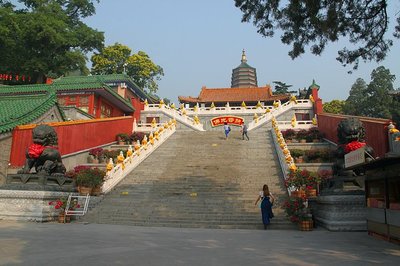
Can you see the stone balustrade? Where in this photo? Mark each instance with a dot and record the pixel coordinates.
(139, 152)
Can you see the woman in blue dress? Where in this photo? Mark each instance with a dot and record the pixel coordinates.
(267, 200)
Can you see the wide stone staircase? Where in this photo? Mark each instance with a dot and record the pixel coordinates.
(198, 179)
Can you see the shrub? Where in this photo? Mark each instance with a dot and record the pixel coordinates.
(96, 152)
(123, 137)
(289, 133)
(296, 153)
(137, 136)
(302, 134)
(314, 133)
(90, 177)
(296, 210)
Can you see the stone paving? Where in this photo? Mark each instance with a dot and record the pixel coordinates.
(96, 244)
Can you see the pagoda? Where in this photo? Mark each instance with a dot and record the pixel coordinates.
(244, 76)
(243, 88)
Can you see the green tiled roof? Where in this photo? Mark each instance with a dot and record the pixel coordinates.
(104, 79)
(94, 78)
(24, 108)
(60, 86)
(244, 65)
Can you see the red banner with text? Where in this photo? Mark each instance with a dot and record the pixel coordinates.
(230, 120)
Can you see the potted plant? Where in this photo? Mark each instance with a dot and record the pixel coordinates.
(315, 135)
(90, 178)
(301, 135)
(60, 205)
(289, 134)
(297, 211)
(297, 154)
(122, 138)
(135, 136)
(96, 154)
(299, 180)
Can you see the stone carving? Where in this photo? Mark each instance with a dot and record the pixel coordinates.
(43, 155)
(351, 136)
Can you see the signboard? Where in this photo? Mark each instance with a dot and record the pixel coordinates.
(231, 120)
(354, 158)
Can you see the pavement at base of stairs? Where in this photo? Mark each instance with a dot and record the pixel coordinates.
(23, 243)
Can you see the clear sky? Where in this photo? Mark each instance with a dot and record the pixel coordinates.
(199, 42)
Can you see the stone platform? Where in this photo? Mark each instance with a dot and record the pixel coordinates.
(22, 205)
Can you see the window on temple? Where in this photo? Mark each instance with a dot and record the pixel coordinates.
(106, 110)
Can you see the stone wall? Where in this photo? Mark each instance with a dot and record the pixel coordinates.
(5, 148)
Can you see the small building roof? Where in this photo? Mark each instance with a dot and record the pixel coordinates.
(109, 80)
(25, 106)
(251, 94)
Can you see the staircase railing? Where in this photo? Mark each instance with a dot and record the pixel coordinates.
(136, 154)
(180, 115)
(275, 111)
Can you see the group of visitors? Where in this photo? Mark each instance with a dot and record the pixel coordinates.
(243, 129)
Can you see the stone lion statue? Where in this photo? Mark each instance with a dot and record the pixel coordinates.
(43, 154)
(351, 136)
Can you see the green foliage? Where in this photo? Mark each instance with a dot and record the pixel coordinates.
(46, 37)
(118, 58)
(282, 87)
(356, 101)
(296, 153)
(334, 107)
(90, 177)
(296, 210)
(374, 99)
(317, 23)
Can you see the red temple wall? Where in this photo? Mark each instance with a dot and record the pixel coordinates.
(73, 136)
(376, 132)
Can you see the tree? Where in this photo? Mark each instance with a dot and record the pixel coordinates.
(380, 100)
(46, 37)
(118, 58)
(355, 103)
(282, 87)
(334, 107)
(375, 99)
(317, 23)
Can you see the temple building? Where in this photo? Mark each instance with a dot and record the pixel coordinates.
(244, 88)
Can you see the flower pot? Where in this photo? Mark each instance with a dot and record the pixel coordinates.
(83, 191)
(95, 161)
(311, 192)
(299, 159)
(61, 217)
(303, 141)
(298, 193)
(96, 191)
(306, 225)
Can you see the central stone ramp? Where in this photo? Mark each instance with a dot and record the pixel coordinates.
(198, 179)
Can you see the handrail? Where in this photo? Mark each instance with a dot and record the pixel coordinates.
(123, 168)
(275, 111)
(175, 114)
(281, 158)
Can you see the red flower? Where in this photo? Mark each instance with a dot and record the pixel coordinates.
(354, 145)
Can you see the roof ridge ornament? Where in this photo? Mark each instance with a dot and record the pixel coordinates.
(244, 58)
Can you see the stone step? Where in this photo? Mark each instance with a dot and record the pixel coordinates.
(226, 176)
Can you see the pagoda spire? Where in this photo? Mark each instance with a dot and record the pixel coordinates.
(244, 59)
